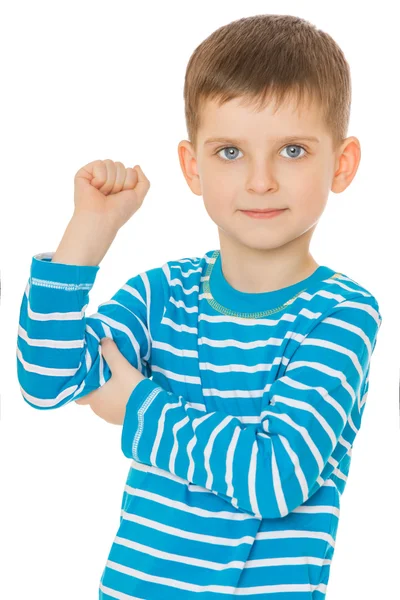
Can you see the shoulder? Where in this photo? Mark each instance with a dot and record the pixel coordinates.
(185, 272)
(336, 305)
(187, 266)
(346, 310)
(349, 290)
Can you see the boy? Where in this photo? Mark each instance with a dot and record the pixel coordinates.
(259, 357)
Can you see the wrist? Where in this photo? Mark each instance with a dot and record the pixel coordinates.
(86, 240)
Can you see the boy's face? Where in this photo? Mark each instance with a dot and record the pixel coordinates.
(261, 170)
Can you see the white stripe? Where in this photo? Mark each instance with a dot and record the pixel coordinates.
(133, 291)
(147, 329)
(245, 591)
(48, 402)
(297, 467)
(178, 326)
(167, 273)
(107, 331)
(49, 343)
(176, 428)
(324, 369)
(176, 376)
(248, 322)
(202, 512)
(230, 461)
(295, 533)
(178, 282)
(337, 348)
(252, 479)
(48, 371)
(55, 316)
(217, 566)
(194, 536)
(234, 393)
(181, 304)
(366, 307)
(304, 433)
(186, 273)
(235, 368)
(209, 447)
(182, 352)
(191, 444)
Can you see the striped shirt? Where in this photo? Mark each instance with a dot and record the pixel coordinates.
(239, 437)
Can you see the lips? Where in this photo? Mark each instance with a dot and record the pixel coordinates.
(263, 210)
(266, 213)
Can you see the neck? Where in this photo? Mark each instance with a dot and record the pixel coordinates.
(254, 270)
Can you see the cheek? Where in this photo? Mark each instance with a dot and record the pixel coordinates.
(308, 208)
(213, 205)
(218, 195)
(220, 207)
(310, 190)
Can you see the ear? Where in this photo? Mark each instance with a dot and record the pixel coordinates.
(346, 164)
(188, 162)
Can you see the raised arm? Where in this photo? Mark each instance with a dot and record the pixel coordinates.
(58, 352)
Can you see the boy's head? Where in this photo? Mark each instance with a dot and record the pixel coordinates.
(263, 84)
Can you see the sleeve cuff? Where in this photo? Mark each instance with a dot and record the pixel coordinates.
(133, 421)
(44, 271)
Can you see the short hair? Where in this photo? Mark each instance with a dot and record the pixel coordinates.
(268, 56)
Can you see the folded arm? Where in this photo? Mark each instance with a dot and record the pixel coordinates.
(269, 468)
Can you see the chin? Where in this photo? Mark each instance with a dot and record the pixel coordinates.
(261, 241)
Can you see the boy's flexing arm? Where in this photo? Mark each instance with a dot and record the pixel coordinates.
(58, 352)
(271, 468)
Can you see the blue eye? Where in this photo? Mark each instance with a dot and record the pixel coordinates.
(296, 146)
(232, 154)
(226, 148)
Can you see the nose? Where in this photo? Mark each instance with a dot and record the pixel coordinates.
(261, 179)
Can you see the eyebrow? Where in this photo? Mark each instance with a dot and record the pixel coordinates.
(287, 138)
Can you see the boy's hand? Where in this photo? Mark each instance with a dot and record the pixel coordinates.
(106, 196)
(109, 401)
(107, 189)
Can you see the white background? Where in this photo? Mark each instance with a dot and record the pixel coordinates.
(95, 80)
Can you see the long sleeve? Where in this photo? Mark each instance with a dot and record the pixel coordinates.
(270, 468)
(58, 348)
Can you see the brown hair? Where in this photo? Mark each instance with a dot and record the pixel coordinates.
(269, 56)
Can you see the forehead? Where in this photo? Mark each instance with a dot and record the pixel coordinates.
(241, 118)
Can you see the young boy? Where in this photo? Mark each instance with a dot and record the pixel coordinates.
(259, 357)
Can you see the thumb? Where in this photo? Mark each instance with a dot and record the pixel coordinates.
(143, 184)
(112, 354)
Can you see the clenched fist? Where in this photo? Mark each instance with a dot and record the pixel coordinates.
(107, 188)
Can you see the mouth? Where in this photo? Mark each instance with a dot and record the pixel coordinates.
(263, 210)
(266, 213)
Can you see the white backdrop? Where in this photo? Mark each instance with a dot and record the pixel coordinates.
(94, 80)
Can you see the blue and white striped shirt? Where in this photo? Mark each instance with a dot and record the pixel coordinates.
(240, 443)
